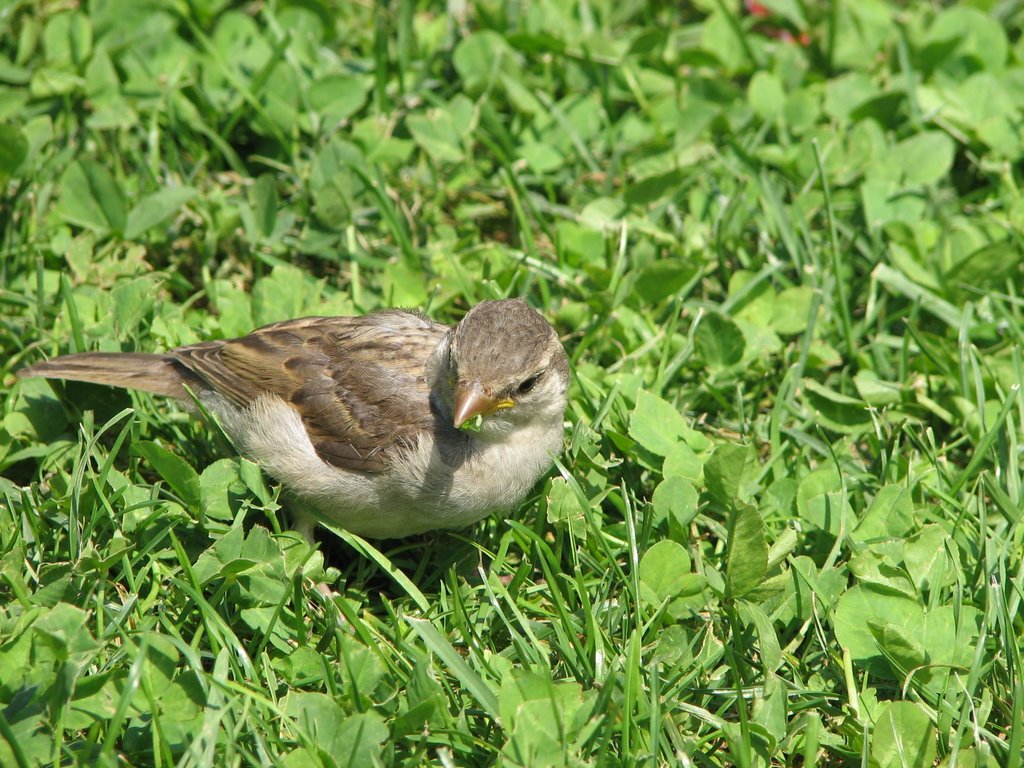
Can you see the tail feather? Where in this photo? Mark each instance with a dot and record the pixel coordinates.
(159, 374)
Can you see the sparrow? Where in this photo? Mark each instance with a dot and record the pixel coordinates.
(367, 420)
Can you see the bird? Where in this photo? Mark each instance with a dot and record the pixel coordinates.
(386, 424)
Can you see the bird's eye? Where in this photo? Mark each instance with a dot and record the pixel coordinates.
(527, 385)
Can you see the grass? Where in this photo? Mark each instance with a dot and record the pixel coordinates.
(783, 246)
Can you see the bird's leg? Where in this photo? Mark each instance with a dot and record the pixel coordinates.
(304, 524)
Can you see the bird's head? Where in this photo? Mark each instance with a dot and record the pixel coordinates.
(502, 366)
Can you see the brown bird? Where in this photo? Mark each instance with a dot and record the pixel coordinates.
(366, 419)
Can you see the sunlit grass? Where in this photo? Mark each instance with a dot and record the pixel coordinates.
(783, 252)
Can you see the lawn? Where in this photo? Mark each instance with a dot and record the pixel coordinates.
(783, 243)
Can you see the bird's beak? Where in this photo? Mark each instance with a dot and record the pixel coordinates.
(472, 400)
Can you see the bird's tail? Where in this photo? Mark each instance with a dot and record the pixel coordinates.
(159, 374)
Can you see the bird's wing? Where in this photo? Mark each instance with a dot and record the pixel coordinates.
(357, 382)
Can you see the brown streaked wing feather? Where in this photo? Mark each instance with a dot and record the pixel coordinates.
(357, 383)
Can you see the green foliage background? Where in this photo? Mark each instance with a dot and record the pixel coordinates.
(783, 244)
